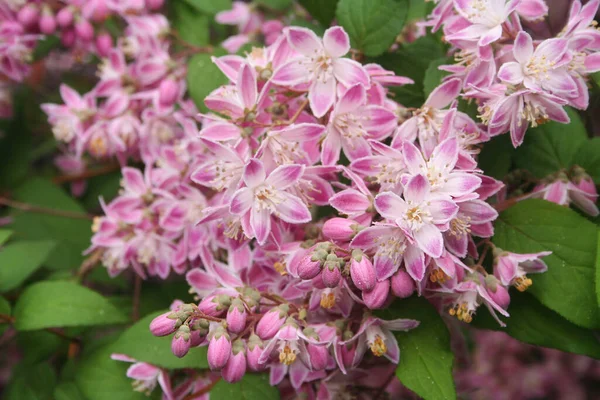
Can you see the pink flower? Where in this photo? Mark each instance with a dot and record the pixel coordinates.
(564, 192)
(511, 268)
(146, 376)
(422, 214)
(265, 195)
(466, 297)
(321, 65)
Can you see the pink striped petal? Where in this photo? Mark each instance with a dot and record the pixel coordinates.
(301, 132)
(445, 155)
(260, 221)
(511, 72)
(478, 211)
(442, 210)
(412, 158)
(293, 210)
(133, 181)
(332, 145)
(350, 72)
(291, 73)
(417, 189)
(350, 201)
(490, 36)
(430, 240)
(389, 205)
(241, 201)
(321, 96)
(254, 173)
(523, 48)
(460, 183)
(285, 176)
(354, 97)
(336, 42)
(414, 262)
(303, 40)
(142, 371)
(221, 131)
(444, 94)
(246, 85)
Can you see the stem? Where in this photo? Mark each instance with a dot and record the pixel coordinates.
(137, 290)
(89, 264)
(86, 174)
(11, 320)
(202, 391)
(43, 210)
(503, 205)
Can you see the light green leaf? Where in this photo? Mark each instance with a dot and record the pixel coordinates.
(72, 235)
(210, 6)
(21, 259)
(251, 387)
(588, 158)
(418, 10)
(532, 323)
(5, 234)
(321, 10)
(495, 158)
(425, 356)
(551, 147)
(203, 77)
(67, 391)
(35, 382)
(59, 304)
(191, 24)
(433, 76)
(568, 286)
(372, 24)
(139, 343)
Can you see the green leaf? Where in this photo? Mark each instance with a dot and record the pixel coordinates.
(568, 286)
(425, 356)
(372, 24)
(190, 23)
(551, 147)
(434, 76)
(67, 391)
(321, 10)
(203, 77)
(105, 186)
(412, 60)
(4, 306)
(37, 346)
(418, 9)
(495, 158)
(45, 46)
(101, 378)
(210, 6)
(21, 259)
(59, 304)
(588, 158)
(251, 387)
(72, 235)
(32, 383)
(15, 143)
(139, 343)
(532, 323)
(598, 270)
(5, 234)
(275, 4)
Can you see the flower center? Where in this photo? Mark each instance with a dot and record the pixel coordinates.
(287, 355)
(378, 347)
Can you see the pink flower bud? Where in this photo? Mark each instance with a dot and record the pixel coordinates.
(101, 12)
(168, 91)
(331, 276)
(163, 325)
(270, 323)
(253, 353)
(28, 15)
(236, 316)
(308, 269)
(196, 338)
(47, 22)
(67, 38)
(154, 4)
(84, 30)
(319, 356)
(104, 44)
(362, 271)
(500, 296)
(376, 298)
(64, 18)
(403, 285)
(340, 229)
(219, 349)
(587, 185)
(235, 368)
(181, 342)
(214, 305)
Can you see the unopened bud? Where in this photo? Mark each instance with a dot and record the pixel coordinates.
(340, 229)
(219, 349)
(403, 285)
(235, 368)
(181, 342)
(362, 271)
(272, 321)
(236, 316)
(376, 298)
(163, 325)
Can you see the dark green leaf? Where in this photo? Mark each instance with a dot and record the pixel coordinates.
(72, 235)
(59, 304)
(37, 346)
(551, 147)
(321, 10)
(191, 24)
(15, 144)
(21, 259)
(588, 158)
(4, 306)
(372, 24)
(5, 234)
(434, 76)
(425, 356)
(251, 387)
(203, 77)
(568, 286)
(275, 4)
(532, 323)
(68, 391)
(35, 382)
(105, 186)
(598, 270)
(139, 343)
(495, 158)
(45, 46)
(210, 6)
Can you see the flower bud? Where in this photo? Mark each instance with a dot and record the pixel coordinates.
(84, 30)
(47, 23)
(331, 276)
(253, 353)
(376, 298)
(500, 296)
(308, 268)
(270, 323)
(319, 356)
(403, 285)
(104, 44)
(181, 342)
(196, 338)
(362, 271)
(236, 316)
(165, 324)
(28, 15)
(64, 18)
(214, 305)
(101, 11)
(67, 38)
(235, 368)
(168, 91)
(219, 349)
(340, 229)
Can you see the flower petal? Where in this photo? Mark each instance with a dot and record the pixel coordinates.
(350, 201)
(511, 72)
(414, 262)
(350, 72)
(321, 96)
(293, 210)
(241, 201)
(303, 40)
(246, 85)
(260, 221)
(336, 42)
(254, 173)
(430, 240)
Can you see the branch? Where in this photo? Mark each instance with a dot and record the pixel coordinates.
(89, 264)
(86, 174)
(43, 210)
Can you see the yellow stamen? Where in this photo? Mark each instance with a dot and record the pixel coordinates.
(378, 347)
(327, 300)
(523, 283)
(280, 267)
(287, 356)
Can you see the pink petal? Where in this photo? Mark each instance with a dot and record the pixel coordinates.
(445, 155)
(300, 132)
(491, 36)
(442, 210)
(241, 201)
(293, 210)
(260, 221)
(430, 240)
(592, 63)
(142, 371)
(460, 183)
(417, 189)
(414, 262)
(291, 73)
(557, 193)
(412, 158)
(511, 72)
(444, 94)
(523, 48)
(389, 205)
(303, 40)
(336, 42)
(332, 145)
(221, 131)
(254, 173)
(350, 201)
(350, 72)
(246, 85)
(354, 97)
(285, 176)
(393, 350)
(229, 65)
(200, 280)
(321, 96)
(478, 211)
(133, 180)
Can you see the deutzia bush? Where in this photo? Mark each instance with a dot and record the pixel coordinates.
(299, 199)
